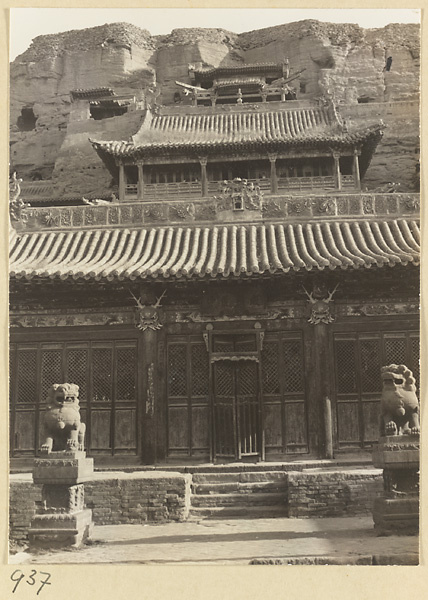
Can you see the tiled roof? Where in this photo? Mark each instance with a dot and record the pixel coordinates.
(244, 81)
(111, 102)
(230, 250)
(202, 132)
(269, 67)
(91, 93)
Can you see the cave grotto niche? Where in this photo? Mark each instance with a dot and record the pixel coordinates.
(27, 119)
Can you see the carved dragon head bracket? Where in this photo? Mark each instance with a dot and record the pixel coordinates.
(319, 301)
(147, 316)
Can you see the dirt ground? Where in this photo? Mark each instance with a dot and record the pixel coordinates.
(237, 542)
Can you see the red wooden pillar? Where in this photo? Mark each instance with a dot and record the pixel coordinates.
(122, 182)
(273, 177)
(356, 170)
(318, 372)
(204, 181)
(149, 397)
(337, 175)
(140, 190)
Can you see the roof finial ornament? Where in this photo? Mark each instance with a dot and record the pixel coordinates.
(286, 68)
(16, 204)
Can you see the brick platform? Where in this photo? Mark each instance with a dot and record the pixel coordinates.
(166, 496)
(333, 493)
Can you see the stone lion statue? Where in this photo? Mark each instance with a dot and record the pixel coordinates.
(399, 403)
(63, 428)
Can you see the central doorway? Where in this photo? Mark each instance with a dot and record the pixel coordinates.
(236, 405)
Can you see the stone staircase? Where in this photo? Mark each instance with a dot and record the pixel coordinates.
(239, 494)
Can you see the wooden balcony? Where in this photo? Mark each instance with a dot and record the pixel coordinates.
(287, 185)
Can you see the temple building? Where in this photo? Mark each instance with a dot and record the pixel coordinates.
(236, 295)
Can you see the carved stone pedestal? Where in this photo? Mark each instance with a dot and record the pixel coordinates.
(62, 519)
(397, 512)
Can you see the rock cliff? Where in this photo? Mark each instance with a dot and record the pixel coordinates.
(340, 60)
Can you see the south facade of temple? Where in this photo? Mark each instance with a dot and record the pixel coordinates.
(236, 295)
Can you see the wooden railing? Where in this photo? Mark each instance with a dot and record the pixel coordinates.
(303, 184)
(131, 189)
(348, 181)
(214, 187)
(179, 188)
(154, 191)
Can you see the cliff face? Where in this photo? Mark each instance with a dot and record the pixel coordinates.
(343, 61)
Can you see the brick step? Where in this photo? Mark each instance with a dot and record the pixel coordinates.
(244, 512)
(253, 487)
(207, 500)
(242, 477)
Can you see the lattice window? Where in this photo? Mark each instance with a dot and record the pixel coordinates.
(101, 374)
(346, 370)
(370, 366)
(414, 341)
(51, 370)
(177, 370)
(223, 345)
(293, 366)
(270, 371)
(12, 359)
(200, 370)
(248, 379)
(77, 362)
(395, 351)
(125, 374)
(246, 345)
(27, 363)
(224, 379)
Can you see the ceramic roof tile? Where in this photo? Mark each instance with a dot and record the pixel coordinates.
(216, 251)
(280, 128)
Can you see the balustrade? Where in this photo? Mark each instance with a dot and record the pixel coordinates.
(154, 191)
(303, 184)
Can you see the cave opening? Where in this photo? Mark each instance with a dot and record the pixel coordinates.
(27, 120)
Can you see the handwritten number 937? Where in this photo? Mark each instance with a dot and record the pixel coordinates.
(19, 576)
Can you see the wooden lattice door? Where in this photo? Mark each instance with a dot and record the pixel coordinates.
(236, 397)
(236, 409)
(106, 373)
(358, 358)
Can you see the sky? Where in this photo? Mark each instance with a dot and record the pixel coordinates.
(28, 23)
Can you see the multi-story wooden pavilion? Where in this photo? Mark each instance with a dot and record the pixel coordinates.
(237, 286)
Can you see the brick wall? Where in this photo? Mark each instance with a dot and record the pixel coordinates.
(113, 497)
(333, 493)
(160, 496)
(22, 498)
(138, 497)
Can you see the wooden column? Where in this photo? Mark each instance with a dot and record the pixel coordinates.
(320, 422)
(273, 177)
(122, 182)
(356, 170)
(337, 175)
(140, 188)
(149, 396)
(204, 181)
(328, 428)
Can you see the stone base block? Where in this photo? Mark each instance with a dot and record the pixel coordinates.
(397, 452)
(396, 516)
(61, 530)
(63, 468)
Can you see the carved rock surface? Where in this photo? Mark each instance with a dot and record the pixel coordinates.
(340, 59)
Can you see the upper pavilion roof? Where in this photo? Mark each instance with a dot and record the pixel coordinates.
(207, 132)
(211, 72)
